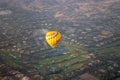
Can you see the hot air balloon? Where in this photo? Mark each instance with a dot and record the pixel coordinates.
(53, 38)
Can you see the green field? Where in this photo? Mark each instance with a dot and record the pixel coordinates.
(11, 58)
(62, 64)
(66, 63)
(107, 50)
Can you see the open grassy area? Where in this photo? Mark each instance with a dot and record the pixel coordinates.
(55, 59)
(107, 50)
(73, 59)
(76, 49)
(70, 68)
(70, 63)
(67, 62)
(10, 58)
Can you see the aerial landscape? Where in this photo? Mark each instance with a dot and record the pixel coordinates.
(89, 48)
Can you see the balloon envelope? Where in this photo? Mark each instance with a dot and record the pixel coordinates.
(53, 38)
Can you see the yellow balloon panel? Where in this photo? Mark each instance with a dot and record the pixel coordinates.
(53, 38)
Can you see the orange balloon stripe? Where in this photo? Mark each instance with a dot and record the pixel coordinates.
(52, 36)
(54, 44)
(57, 41)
